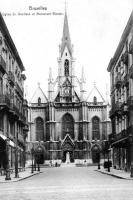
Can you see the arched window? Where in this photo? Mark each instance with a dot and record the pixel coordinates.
(39, 129)
(95, 101)
(95, 128)
(39, 101)
(66, 66)
(68, 125)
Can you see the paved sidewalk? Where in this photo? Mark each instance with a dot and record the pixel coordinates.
(116, 173)
(22, 175)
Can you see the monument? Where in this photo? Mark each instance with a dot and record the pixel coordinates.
(67, 158)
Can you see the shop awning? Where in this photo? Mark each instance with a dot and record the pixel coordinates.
(119, 141)
(11, 143)
(3, 137)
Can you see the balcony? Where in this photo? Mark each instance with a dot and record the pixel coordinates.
(124, 108)
(2, 65)
(123, 134)
(20, 138)
(22, 118)
(131, 71)
(118, 80)
(19, 90)
(11, 78)
(124, 58)
(111, 137)
(126, 80)
(4, 101)
(130, 102)
(14, 109)
(116, 109)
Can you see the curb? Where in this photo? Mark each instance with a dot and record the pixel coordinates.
(20, 179)
(114, 175)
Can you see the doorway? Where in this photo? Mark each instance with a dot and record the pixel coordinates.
(95, 154)
(71, 154)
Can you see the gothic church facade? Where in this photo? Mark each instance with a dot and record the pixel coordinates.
(67, 121)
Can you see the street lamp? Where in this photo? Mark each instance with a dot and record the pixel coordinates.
(131, 154)
(7, 165)
(16, 159)
(32, 153)
(34, 162)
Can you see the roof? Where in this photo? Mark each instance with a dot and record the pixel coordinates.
(121, 42)
(66, 41)
(38, 93)
(10, 42)
(95, 93)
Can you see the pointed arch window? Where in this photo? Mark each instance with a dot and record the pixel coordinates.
(95, 100)
(68, 125)
(39, 129)
(95, 128)
(66, 67)
(39, 101)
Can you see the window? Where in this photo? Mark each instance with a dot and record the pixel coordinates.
(68, 125)
(66, 66)
(95, 101)
(39, 129)
(39, 101)
(95, 128)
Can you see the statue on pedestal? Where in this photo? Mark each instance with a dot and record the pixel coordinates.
(67, 157)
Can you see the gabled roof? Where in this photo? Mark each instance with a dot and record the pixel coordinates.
(66, 41)
(67, 139)
(66, 83)
(95, 93)
(38, 93)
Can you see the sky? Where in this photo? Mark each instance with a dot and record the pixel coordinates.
(95, 29)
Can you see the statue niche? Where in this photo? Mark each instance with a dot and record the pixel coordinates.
(66, 66)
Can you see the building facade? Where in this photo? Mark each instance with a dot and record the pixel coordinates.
(13, 106)
(121, 114)
(67, 121)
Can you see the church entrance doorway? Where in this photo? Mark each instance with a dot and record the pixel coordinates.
(68, 156)
(95, 154)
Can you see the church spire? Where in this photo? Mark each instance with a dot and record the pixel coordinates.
(66, 41)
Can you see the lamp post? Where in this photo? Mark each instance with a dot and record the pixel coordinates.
(39, 151)
(7, 165)
(32, 153)
(108, 161)
(16, 159)
(131, 153)
(38, 169)
(34, 162)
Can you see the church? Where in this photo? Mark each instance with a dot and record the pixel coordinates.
(66, 121)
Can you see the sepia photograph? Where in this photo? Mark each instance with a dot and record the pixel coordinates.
(66, 100)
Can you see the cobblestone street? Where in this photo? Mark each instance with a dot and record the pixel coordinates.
(66, 183)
